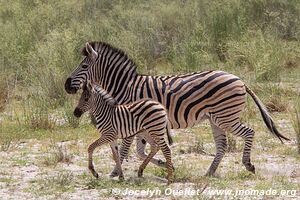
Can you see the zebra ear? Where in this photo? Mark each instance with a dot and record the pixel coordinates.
(90, 50)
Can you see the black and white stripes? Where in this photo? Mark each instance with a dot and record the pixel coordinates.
(124, 121)
(189, 99)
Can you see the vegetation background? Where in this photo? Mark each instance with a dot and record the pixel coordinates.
(40, 41)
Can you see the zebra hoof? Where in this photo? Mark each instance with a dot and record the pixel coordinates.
(251, 168)
(92, 170)
(95, 174)
(170, 179)
(210, 174)
(140, 173)
(161, 163)
(121, 178)
(113, 174)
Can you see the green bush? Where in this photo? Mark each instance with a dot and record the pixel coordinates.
(40, 40)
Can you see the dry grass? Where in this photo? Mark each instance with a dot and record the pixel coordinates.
(57, 154)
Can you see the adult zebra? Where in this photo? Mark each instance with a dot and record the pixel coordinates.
(190, 98)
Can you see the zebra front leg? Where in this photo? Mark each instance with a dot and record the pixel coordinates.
(126, 143)
(221, 146)
(102, 140)
(114, 148)
(247, 133)
(141, 141)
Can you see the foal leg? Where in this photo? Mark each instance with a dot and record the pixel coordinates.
(126, 143)
(102, 140)
(116, 157)
(154, 150)
(141, 141)
(160, 141)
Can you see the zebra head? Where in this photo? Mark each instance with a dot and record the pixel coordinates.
(85, 100)
(82, 73)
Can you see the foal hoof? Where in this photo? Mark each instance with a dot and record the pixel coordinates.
(140, 173)
(251, 168)
(114, 173)
(92, 170)
(210, 174)
(170, 180)
(95, 174)
(161, 163)
(121, 178)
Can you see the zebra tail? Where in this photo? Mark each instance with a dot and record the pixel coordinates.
(170, 139)
(266, 115)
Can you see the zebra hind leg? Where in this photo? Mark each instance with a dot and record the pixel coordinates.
(141, 142)
(159, 140)
(221, 146)
(154, 150)
(114, 148)
(247, 133)
(167, 154)
(126, 143)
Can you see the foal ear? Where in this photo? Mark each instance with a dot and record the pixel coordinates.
(90, 50)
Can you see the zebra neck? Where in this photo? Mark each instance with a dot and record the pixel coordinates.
(147, 87)
(102, 112)
(120, 90)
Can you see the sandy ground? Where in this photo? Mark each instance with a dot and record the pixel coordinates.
(31, 169)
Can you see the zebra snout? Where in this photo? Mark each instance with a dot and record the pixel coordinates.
(69, 89)
(77, 112)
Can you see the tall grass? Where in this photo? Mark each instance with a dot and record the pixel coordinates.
(40, 40)
(4, 91)
(37, 113)
(68, 114)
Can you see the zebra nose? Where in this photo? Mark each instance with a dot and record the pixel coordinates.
(77, 112)
(68, 87)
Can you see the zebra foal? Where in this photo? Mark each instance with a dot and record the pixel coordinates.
(124, 121)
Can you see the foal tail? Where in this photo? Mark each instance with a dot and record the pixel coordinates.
(266, 115)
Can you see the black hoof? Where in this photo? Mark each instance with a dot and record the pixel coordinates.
(121, 178)
(114, 174)
(140, 173)
(251, 168)
(162, 163)
(95, 174)
(211, 174)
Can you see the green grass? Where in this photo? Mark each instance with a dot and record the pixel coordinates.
(40, 41)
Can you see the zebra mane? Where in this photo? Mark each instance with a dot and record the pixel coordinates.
(104, 94)
(99, 46)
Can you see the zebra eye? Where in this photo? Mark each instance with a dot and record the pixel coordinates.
(85, 66)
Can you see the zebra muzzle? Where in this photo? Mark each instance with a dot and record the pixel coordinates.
(68, 88)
